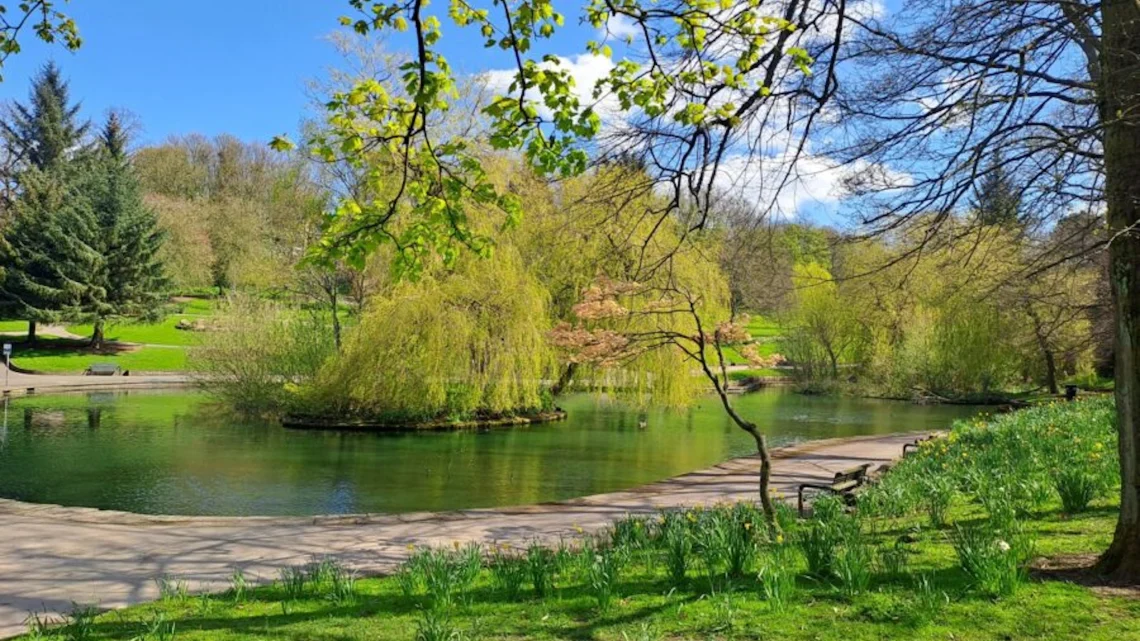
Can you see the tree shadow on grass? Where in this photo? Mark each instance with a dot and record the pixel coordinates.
(1080, 569)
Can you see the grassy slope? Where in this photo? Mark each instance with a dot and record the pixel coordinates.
(766, 333)
(160, 333)
(14, 326)
(649, 608)
(165, 350)
(147, 359)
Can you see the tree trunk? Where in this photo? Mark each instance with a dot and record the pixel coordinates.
(765, 477)
(1050, 370)
(1120, 113)
(1046, 351)
(564, 379)
(31, 332)
(761, 449)
(335, 317)
(834, 360)
(98, 335)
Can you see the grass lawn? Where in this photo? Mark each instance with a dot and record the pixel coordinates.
(196, 306)
(765, 333)
(145, 359)
(760, 327)
(161, 333)
(53, 355)
(896, 568)
(745, 374)
(14, 326)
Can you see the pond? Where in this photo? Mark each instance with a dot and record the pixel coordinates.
(174, 452)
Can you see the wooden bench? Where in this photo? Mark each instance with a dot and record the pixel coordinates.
(912, 448)
(843, 484)
(102, 369)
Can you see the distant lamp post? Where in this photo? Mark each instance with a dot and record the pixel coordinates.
(7, 362)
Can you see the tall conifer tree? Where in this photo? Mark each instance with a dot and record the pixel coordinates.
(131, 275)
(47, 254)
(45, 132)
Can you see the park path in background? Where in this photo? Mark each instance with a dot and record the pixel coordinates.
(56, 331)
(16, 383)
(52, 557)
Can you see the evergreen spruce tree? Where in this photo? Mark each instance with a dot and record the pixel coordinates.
(47, 251)
(44, 132)
(998, 200)
(128, 239)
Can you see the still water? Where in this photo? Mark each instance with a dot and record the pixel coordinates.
(174, 452)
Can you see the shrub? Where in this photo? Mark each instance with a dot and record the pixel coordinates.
(259, 353)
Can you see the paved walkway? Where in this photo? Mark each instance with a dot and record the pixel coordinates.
(51, 557)
(17, 383)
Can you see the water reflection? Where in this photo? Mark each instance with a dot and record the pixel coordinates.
(174, 452)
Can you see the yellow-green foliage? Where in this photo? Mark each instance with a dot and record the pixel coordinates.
(256, 352)
(457, 341)
(825, 330)
(960, 318)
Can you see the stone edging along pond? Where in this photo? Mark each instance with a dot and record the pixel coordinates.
(312, 422)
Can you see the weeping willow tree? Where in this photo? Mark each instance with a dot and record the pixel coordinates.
(461, 342)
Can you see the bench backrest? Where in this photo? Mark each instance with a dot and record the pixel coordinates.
(852, 474)
(103, 369)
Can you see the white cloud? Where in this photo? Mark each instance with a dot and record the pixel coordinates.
(621, 27)
(783, 186)
(585, 69)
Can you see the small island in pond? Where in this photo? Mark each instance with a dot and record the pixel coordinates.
(395, 424)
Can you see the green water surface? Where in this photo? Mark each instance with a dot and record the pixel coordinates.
(174, 452)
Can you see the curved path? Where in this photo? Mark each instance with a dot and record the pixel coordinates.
(52, 557)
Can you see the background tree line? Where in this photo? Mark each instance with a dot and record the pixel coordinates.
(969, 317)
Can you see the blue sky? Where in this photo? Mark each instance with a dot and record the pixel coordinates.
(234, 67)
(238, 66)
(207, 67)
